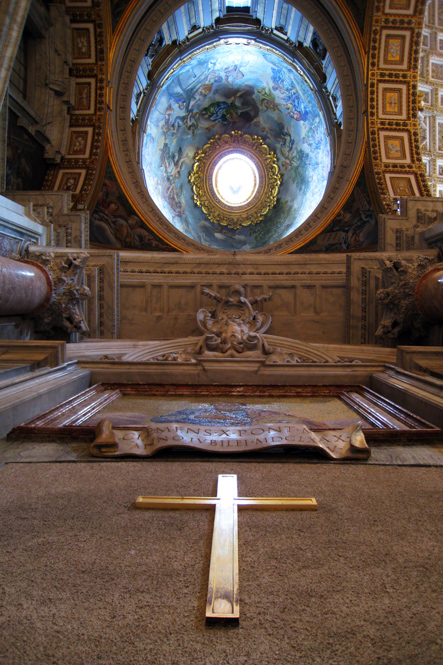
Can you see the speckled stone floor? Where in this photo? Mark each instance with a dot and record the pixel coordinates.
(27, 451)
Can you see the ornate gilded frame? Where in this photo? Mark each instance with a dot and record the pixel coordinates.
(269, 179)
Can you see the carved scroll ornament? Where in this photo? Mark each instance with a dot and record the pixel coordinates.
(233, 327)
(348, 443)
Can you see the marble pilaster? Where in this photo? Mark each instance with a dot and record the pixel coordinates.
(13, 15)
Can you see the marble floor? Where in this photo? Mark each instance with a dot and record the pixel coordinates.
(12, 452)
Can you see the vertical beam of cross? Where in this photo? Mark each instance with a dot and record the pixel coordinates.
(223, 589)
(223, 601)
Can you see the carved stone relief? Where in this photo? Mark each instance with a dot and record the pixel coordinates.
(367, 276)
(412, 226)
(53, 210)
(400, 317)
(65, 309)
(232, 327)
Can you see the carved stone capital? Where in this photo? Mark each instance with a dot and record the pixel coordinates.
(65, 309)
(400, 315)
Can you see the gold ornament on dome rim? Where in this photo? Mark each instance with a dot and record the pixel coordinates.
(265, 189)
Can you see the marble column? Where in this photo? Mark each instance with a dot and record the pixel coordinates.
(25, 287)
(13, 15)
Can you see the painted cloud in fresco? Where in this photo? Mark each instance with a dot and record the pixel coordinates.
(252, 90)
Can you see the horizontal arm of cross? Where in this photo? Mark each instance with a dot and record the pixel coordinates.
(202, 503)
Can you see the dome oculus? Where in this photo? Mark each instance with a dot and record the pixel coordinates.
(235, 179)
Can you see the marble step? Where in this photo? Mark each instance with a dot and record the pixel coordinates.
(8, 372)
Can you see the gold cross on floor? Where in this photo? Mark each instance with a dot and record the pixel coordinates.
(223, 600)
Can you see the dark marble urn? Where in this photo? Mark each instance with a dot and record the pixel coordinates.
(429, 295)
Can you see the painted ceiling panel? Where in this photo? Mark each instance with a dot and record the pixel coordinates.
(235, 84)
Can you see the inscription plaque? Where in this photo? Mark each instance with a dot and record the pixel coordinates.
(348, 443)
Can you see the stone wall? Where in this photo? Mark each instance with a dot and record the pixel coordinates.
(160, 294)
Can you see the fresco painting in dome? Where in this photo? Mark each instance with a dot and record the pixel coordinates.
(115, 224)
(245, 88)
(353, 229)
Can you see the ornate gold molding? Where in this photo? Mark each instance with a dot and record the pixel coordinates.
(393, 128)
(81, 169)
(208, 199)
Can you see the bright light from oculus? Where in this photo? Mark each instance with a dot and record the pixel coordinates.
(235, 179)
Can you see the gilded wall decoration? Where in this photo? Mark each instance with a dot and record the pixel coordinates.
(392, 101)
(395, 49)
(79, 141)
(394, 32)
(431, 96)
(80, 167)
(395, 147)
(84, 97)
(401, 7)
(401, 185)
(70, 180)
(256, 159)
(83, 43)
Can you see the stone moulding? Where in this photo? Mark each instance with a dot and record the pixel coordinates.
(285, 351)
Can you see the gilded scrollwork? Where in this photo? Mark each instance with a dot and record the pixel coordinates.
(269, 179)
